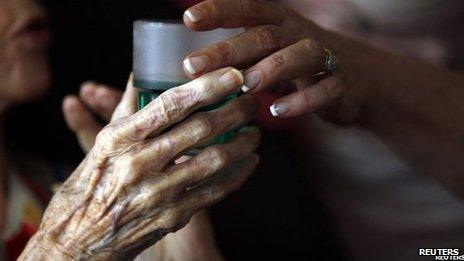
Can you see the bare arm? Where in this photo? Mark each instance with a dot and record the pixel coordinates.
(416, 108)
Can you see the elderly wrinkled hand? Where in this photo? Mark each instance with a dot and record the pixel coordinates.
(127, 194)
(82, 112)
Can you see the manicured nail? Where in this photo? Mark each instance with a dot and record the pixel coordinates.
(280, 108)
(194, 65)
(245, 88)
(252, 80)
(193, 15)
(231, 79)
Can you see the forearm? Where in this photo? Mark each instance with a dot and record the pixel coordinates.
(421, 115)
(416, 108)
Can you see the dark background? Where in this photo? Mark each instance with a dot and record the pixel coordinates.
(274, 216)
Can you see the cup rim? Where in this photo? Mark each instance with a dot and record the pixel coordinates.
(159, 22)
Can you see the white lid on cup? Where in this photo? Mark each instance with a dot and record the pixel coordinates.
(161, 46)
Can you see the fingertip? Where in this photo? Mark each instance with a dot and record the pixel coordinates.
(88, 82)
(69, 102)
(69, 97)
(280, 108)
(193, 16)
(252, 80)
(87, 90)
(194, 65)
(130, 81)
(238, 74)
(230, 78)
(71, 111)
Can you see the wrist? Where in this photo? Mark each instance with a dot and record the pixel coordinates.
(40, 247)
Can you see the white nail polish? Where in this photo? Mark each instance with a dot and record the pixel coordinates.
(279, 108)
(273, 110)
(245, 88)
(193, 17)
(188, 66)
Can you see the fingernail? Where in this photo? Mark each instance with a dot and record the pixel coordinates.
(194, 15)
(280, 108)
(194, 65)
(231, 79)
(245, 88)
(252, 80)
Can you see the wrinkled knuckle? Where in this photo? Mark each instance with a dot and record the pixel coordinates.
(326, 90)
(331, 85)
(251, 6)
(219, 156)
(203, 90)
(278, 62)
(225, 52)
(308, 99)
(239, 115)
(130, 162)
(203, 125)
(307, 43)
(218, 9)
(311, 45)
(107, 137)
(189, 178)
(267, 37)
(286, 9)
(171, 104)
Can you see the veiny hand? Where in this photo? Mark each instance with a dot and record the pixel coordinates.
(279, 45)
(127, 193)
(193, 242)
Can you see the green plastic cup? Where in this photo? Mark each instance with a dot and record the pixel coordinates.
(159, 50)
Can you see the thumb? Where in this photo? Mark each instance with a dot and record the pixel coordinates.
(128, 104)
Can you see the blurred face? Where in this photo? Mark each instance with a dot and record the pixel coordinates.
(24, 72)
